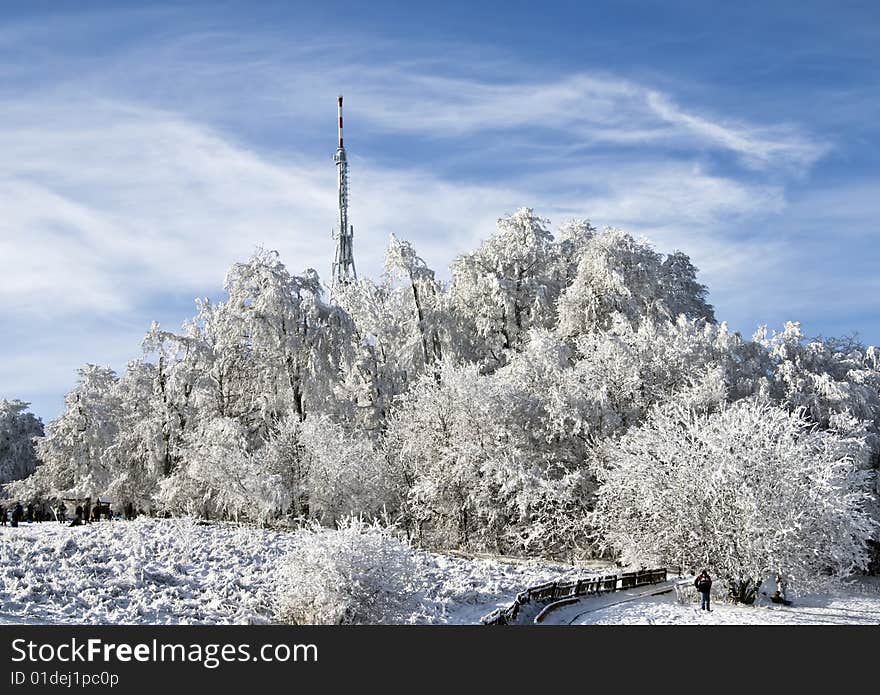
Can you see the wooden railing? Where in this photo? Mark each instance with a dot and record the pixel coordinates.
(557, 591)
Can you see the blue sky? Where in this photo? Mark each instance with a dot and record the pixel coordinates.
(146, 147)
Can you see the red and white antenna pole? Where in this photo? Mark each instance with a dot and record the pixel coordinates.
(342, 271)
(340, 120)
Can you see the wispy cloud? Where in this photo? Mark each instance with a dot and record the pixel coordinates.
(759, 147)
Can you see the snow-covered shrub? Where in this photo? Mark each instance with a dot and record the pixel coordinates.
(358, 573)
(686, 593)
(746, 491)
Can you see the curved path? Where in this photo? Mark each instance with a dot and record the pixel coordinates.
(569, 614)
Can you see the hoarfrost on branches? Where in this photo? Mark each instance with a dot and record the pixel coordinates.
(489, 413)
(17, 431)
(750, 490)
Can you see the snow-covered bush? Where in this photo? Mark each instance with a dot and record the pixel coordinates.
(749, 490)
(358, 573)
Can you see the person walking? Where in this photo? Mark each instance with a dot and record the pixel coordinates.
(2, 515)
(781, 586)
(78, 519)
(17, 514)
(703, 584)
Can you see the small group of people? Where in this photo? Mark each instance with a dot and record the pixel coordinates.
(29, 514)
(84, 513)
(17, 515)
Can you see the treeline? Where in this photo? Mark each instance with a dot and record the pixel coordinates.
(562, 395)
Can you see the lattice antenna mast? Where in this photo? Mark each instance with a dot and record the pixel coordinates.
(343, 271)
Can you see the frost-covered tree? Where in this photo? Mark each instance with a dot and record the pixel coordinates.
(271, 349)
(836, 381)
(426, 295)
(72, 453)
(220, 478)
(636, 367)
(746, 491)
(477, 471)
(178, 383)
(827, 377)
(505, 287)
(136, 457)
(681, 292)
(284, 327)
(18, 427)
(619, 276)
(385, 354)
(398, 333)
(285, 455)
(244, 367)
(346, 473)
(572, 238)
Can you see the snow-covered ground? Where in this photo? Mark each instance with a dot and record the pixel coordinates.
(854, 602)
(177, 571)
(148, 571)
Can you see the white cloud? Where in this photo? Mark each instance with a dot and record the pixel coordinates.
(759, 147)
(580, 109)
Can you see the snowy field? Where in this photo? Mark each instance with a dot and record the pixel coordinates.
(177, 571)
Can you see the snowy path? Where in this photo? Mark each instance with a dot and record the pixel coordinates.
(10, 619)
(575, 613)
(858, 603)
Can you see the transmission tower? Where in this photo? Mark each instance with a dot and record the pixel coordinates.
(343, 271)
